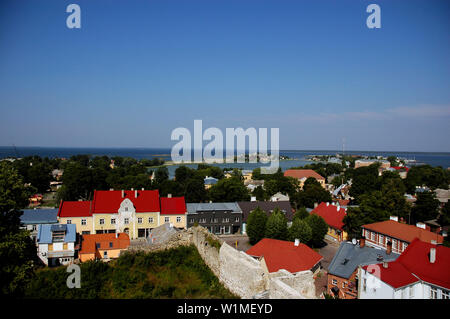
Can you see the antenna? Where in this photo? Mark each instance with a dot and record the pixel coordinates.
(15, 151)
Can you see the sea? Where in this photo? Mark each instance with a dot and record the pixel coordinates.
(297, 157)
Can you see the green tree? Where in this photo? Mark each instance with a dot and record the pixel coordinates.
(276, 226)
(229, 190)
(301, 213)
(256, 225)
(16, 248)
(319, 229)
(301, 230)
(425, 207)
(444, 217)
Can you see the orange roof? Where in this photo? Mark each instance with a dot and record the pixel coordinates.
(403, 232)
(90, 244)
(302, 173)
(333, 215)
(280, 254)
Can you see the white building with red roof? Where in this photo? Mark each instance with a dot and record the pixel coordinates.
(421, 272)
(134, 212)
(280, 254)
(399, 234)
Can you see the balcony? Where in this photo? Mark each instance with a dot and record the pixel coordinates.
(60, 253)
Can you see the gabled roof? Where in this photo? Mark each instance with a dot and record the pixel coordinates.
(403, 232)
(39, 216)
(349, 257)
(414, 264)
(173, 206)
(89, 243)
(333, 215)
(44, 235)
(109, 201)
(75, 209)
(267, 206)
(302, 173)
(280, 254)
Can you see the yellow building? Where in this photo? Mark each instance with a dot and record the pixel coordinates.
(103, 246)
(133, 212)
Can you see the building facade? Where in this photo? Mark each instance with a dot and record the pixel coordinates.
(56, 244)
(399, 234)
(134, 212)
(218, 218)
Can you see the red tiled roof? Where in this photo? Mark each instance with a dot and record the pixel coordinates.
(403, 232)
(396, 275)
(280, 254)
(74, 209)
(109, 201)
(302, 173)
(332, 216)
(414, 262)
(89, 242)
(400, 168)
(173, 206)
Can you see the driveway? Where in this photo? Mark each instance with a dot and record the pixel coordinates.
(327, 252)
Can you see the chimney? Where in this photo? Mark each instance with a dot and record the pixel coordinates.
(123, 193)
(297, 242)
(253, 199)
(142, 188)
(338, 208)
(117, 235)
(362, 242)
(169, 195)
(385, 264)
(328, 204)
(421, 225)
(394, 218)
(135, 193)
(388, 248)
(432, 255)
(316, 204)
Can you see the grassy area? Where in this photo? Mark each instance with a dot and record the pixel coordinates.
(175, 273)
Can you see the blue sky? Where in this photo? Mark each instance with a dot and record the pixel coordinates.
(136, 70)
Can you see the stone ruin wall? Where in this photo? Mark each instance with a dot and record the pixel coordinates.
(240, 273)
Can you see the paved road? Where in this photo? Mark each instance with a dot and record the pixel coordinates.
(327, 253)
(242, 241)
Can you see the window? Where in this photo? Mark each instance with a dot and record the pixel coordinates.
(364, 284)
(411, 291)
(433, 293)
(405, 245)
(69, 221)
(236, 219)
(126, 221)
(150, 220)
(126, 209)
(139, 220)
(178, 219)
(372, 236)
(381, 239)
(166, 219)
(102, 221)
(343, 284)
(394, 244)
(191, 220)
(83, 222)
(334, 282)
(113, 221)
(105, 254)
(110, 244)
(404, 293)
(445, 294)
(225, 220)
(34, 227)
(97, 245)
(202, 220)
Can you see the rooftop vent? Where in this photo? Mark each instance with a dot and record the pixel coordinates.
(297, 242)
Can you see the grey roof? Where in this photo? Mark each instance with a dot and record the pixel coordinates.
(210, 180)
(267, 206)
(193, 208)
(349, 257)
(45, 233)
(39, 216)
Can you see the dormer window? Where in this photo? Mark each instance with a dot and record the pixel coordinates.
(58, 232)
